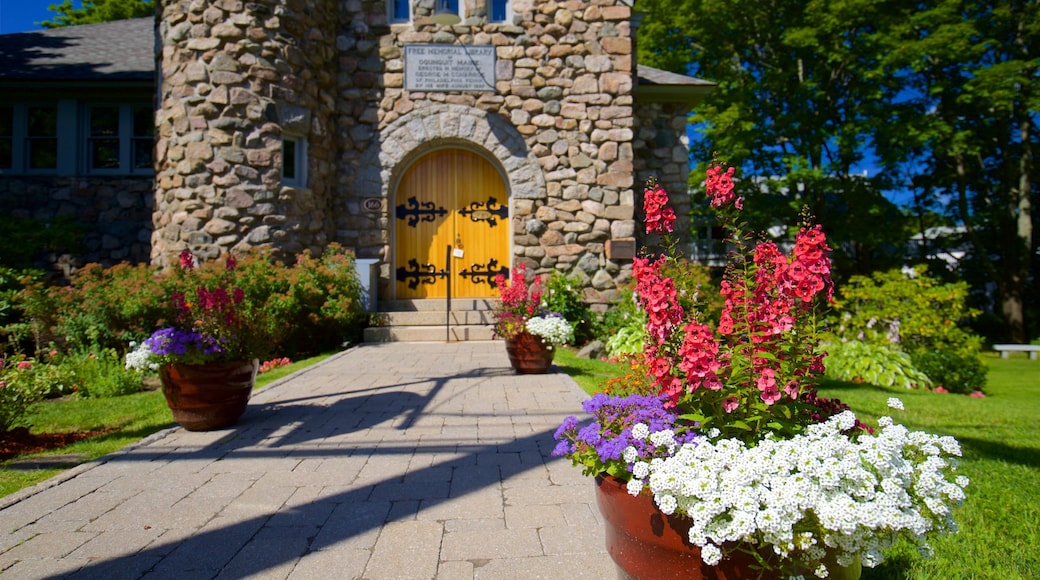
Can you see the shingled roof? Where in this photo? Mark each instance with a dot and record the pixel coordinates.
(660, 85)
(123, 50)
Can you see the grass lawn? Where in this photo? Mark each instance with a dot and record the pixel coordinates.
(1000, 439)
(133, 417)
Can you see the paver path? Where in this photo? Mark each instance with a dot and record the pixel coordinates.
(400, 460)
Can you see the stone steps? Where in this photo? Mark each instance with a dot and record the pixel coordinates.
(428, 320)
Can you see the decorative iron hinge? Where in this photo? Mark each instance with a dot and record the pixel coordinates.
(419, 274)
(486, 211)
(485, 273)
(416, 212)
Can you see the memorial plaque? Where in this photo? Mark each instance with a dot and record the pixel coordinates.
(449, 67)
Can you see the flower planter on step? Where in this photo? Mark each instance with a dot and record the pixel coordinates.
(529, 355)
(208, 396)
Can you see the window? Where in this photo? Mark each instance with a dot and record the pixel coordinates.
(400, 10)
(294, 161)
(41, 140)
(103, 139)
(119, 139)
(6, 137)
(499, 10)
(143, 140)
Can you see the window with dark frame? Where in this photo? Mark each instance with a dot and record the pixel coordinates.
(498, 10)
(289, 159)
(103, 139)
(41, 139)
(400, 11)
(143, 140)
(6, 137)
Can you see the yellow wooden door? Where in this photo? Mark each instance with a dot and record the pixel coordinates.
(451, 227)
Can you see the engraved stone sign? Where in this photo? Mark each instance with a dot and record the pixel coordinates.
(449, 67)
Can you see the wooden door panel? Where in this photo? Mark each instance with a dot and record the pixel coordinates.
(451, 198)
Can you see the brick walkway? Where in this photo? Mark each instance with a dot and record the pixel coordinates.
(399, 460)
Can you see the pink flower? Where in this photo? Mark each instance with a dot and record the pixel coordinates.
(940, 389)
(719, 186)
(187, 260)
(25, 365)
(977, 395)
(730, 403)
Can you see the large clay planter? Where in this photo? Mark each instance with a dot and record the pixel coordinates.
(645, 544)
(529, 355)
(208, 396)
(648, 545)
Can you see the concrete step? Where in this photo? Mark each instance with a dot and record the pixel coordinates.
(433, 318)
(436, 304)
(428, 334)
(424, 320)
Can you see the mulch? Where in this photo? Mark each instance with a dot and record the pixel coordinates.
(19, 441)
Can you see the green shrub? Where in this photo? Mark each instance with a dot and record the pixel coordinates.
(103, 374)
(917, 315)
(25, 239)
(877, 364)
(17, 394)
(563, 294)
(313, 306)
(958, 374)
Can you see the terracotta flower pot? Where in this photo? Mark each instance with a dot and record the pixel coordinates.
(208, 396)
(529, 355)
(645, 544)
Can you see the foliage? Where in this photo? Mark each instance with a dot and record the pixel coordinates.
(741, 443)
(25, 239)
(211, 318)
(312, 306)
(519, 301)
(18, 392)
(856, 494)
(101, 308)
(623, 326)
(941, 95)
(1000, 438)
(103, 374)
(920, 317)
(877, 364)
(95, 11)
(563, 295)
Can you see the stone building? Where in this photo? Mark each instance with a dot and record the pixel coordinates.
(443, 140)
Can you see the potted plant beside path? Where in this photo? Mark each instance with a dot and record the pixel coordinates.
(208, 352)
(531, 332)
(719, 460)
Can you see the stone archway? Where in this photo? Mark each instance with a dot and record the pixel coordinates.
(431, 127)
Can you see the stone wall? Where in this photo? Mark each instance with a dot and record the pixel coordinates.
(564, 105)
(116, 213)
(234, 74)
(562, 125)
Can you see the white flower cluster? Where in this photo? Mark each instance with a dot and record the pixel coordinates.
(552, 329)
(140, 358)
(816, 492)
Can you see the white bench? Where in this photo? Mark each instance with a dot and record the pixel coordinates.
(1004, 349)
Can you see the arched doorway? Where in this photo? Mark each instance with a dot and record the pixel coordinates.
(450, 198)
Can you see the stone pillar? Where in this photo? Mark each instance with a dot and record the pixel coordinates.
(233, 75)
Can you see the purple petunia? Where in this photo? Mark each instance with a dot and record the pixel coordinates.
(600, 444)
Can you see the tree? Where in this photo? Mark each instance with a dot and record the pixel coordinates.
(940, 94)
(792, 109)
(970, 71)
(94, 11)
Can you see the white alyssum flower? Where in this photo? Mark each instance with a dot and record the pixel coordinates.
(895, 403)
(858, 494)
(551, 329)
(140, 358)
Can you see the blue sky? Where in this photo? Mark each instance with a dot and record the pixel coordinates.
(20, 15)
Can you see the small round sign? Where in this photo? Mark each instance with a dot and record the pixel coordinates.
(373, 204)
